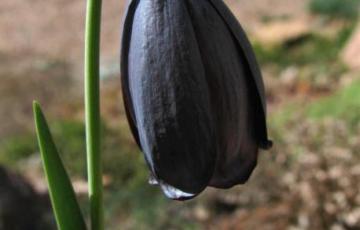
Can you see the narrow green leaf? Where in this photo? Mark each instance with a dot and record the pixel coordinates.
(66, 209)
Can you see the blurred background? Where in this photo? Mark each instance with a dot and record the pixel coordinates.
(309, 51)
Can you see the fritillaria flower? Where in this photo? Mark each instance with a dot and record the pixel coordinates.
(193, 94)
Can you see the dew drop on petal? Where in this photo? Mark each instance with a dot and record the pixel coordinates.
(170, 191)
(152, 180)
(174, 193)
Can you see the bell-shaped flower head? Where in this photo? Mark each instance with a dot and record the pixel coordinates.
(193, 93)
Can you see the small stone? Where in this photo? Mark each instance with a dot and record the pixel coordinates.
(351, 53)
(281, 32)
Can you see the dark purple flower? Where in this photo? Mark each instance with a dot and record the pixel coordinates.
(193, 94)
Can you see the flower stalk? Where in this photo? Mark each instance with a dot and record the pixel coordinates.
(92, 112)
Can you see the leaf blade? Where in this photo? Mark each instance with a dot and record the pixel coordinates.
(65, 206)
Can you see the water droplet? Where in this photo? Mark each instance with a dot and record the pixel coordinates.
(174, 193)
(152, 180)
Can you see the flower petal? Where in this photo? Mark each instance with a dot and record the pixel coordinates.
(246, 48)
(125, 43)
(234, 96)
(165, 86)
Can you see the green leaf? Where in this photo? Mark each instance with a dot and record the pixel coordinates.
(66, 208)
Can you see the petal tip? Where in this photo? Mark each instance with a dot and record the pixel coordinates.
(266, 145)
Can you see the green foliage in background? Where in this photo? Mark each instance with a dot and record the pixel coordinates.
(344, 105)
(17, 147)
(336, 8)
(314, 50)
(69, 136)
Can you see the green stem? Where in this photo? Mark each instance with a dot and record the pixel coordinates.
(92, 112)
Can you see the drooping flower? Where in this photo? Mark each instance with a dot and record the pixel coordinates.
(193, 93)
